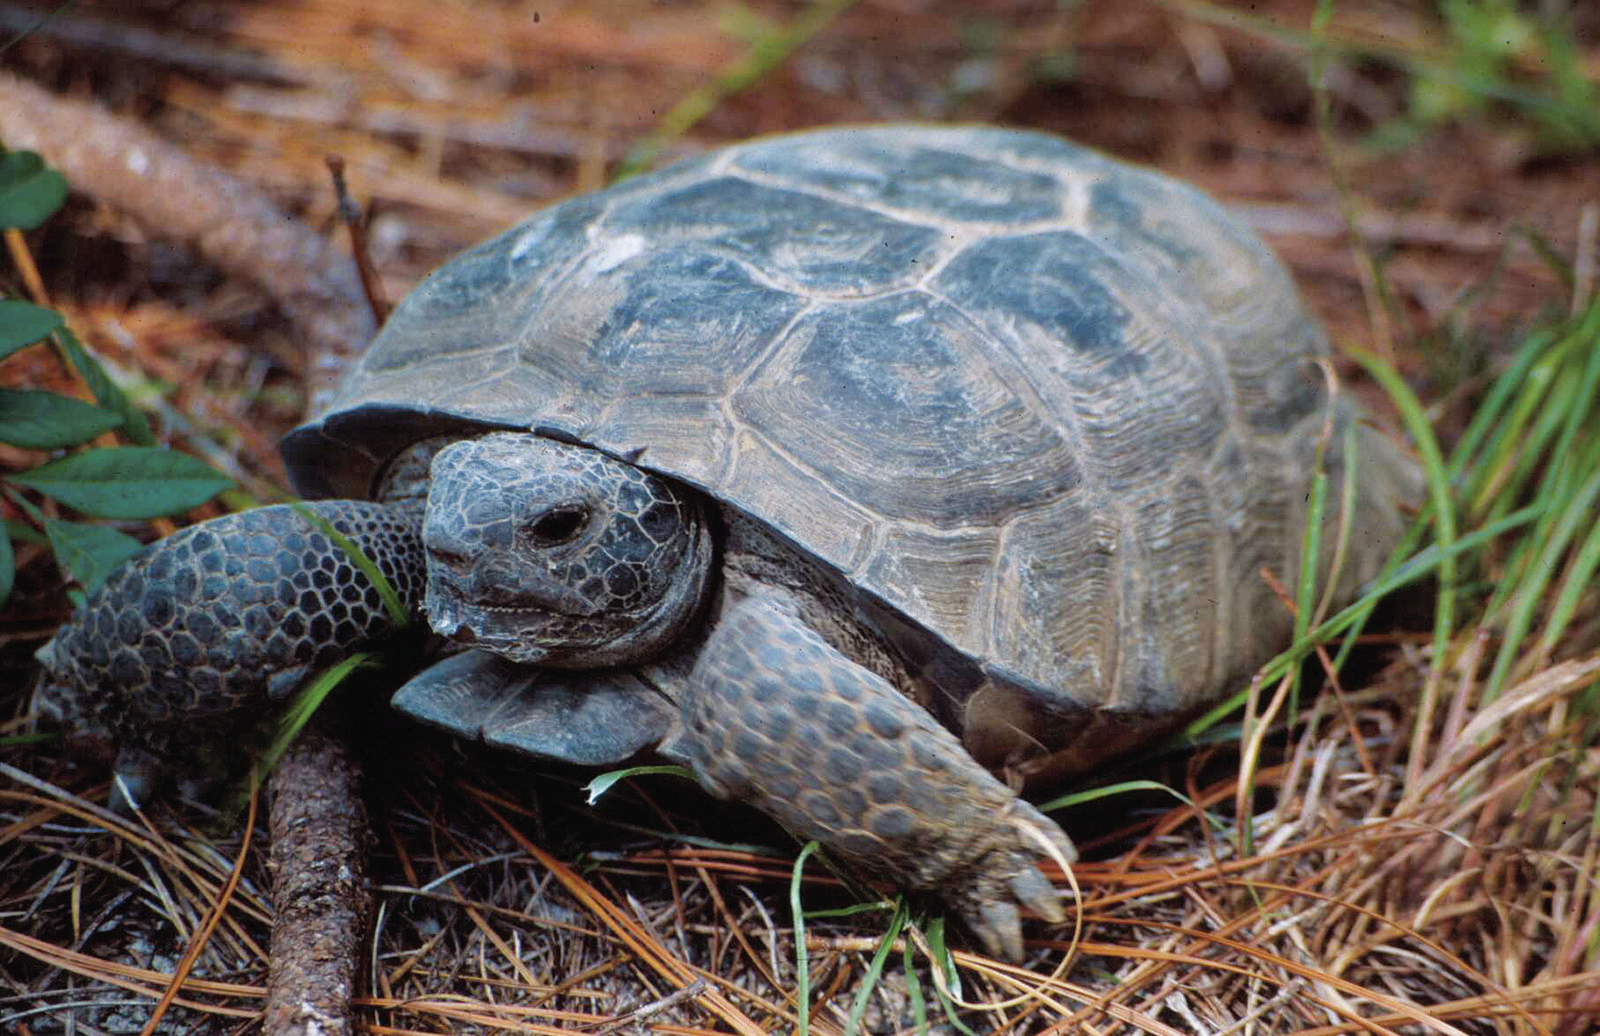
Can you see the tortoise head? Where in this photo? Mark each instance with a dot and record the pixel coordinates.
(549, 553)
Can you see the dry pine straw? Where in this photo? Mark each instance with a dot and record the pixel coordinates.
(1467, 889)
(1467, 893)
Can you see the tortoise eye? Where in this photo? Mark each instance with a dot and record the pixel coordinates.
(560, 524)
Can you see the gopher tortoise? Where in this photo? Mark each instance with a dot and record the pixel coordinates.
(874, 473)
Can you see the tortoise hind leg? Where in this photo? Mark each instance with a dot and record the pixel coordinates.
(776, 716)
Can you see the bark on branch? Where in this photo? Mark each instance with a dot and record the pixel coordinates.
(319, 889)
(176, 197)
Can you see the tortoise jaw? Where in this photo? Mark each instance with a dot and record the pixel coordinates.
(535, 635)
(510, 633)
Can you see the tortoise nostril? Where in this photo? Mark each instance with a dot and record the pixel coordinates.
(451, 557)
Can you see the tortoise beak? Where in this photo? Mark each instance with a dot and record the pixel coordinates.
(466, 625)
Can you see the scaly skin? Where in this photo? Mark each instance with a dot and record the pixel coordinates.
(777, 717)
(220, 618)
(560, 556)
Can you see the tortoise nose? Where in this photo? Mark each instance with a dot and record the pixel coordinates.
(453, 557)
(466, 567)
(454, 547)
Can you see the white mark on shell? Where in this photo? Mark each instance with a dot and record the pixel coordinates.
(616, 252)
(530, 239)
(1079, 200)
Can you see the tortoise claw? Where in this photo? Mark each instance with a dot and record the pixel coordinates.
(1001, 882)
(999, 927)
(1034, 891)
(134, 780)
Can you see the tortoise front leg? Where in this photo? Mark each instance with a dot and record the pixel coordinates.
(583, 717)
(219, 619)
(776, 716)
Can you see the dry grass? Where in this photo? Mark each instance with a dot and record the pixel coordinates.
(1425, 842)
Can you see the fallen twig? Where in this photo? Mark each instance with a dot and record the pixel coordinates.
(136, 172)
(320, 893)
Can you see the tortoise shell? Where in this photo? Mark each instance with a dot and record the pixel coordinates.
(1056, 410)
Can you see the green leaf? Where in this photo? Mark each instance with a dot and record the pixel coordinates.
(8, 569)
(22, 532)
(604, 783)
(23, 323)
(1080, 797)
(129, 482)
(37, 420)
(106, 392)
(89, 552)
(29, 192)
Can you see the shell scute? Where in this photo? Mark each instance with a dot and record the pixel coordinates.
(1055, 281)
(919, 427)
(807, 244)
(671, 321)
(943, 181)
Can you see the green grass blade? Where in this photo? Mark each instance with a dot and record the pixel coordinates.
(1351, 461)
(1576, 515)
(1530, 464)
(1556, 111)
(869, 981)
(396, 608)
(919, 1004)
(1579, 574)
(1510, 436)
(1587, 339)
(1078, 798)
(1418, 567)
(853, 910)
(1438, 480)
(1488, 416)
(1403, 553)
(295, 718)
(802, 958)
(946, 964)
(1310, 557)
(606, 781)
